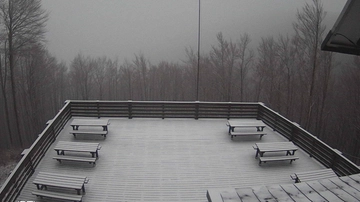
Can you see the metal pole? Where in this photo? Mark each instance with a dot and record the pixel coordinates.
(198, 62)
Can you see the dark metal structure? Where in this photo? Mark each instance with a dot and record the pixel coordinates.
(344, 37)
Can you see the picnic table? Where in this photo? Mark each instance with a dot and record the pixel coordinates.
(258, 124)
(63, 146)
(261, 148)
(76, 123)
(289, 147)
(44, 179)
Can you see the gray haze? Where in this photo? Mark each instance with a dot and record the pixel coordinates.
(162, 29)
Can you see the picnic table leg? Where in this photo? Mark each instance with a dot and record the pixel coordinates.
(260, 128)
(83, 188)
(104, 128)
(78, 191)
(257, 153)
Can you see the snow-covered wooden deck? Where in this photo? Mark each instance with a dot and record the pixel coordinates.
(170, 160)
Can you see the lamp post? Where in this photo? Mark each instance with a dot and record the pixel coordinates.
(198, 62)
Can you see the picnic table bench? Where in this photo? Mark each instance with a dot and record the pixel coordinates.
(234, 134)
(288, 147)
(89, 124)
(45, 179)
(90, 160)
(57, 195)
(313, 175)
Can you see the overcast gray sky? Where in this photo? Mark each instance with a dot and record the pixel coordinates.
(162, 29)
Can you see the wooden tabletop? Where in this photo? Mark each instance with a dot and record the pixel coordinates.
(77, 146)
(239, 123)
(276, 146)
(89, 122)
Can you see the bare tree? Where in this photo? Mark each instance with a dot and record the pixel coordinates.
(223, 58)
(24, 23)
(309, 29)
(81, 71)
(141, 65)
(246, 57)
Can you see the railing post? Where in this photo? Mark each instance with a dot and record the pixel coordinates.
(49, 122)
(229, 110)
(130, 108)
(196, 110)
(163, 111)
(293, 131)
(98, 108)
(260, 105)
(68, 101)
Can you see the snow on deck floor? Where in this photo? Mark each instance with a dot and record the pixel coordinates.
(170, 160)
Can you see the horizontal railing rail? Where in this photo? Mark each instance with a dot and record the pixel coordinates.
(161, 109)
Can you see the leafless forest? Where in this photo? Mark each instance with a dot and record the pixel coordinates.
(318, 90)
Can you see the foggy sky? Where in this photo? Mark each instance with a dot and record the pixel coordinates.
(162, 29)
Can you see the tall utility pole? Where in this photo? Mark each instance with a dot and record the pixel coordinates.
(198, 62)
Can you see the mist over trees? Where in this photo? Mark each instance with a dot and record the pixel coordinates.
(290, 74)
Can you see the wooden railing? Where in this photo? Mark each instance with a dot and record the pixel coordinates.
(141, 109)
(316, 148)
(25, 168)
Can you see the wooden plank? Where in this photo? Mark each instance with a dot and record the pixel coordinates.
(76, 146)
(294, 193)
(278, 193)
(260, 133)
(275, 147)
(323, 191)
(89, 122)
(246, 195)
(351, 182)
(230, 196)
(90, 132)
(309, 192)
(342, 185)
(57, 195)
(277, 158)
(356, 181)
(241, 123)
(75, 158)
(263, 194)
(61, 175)
(213, 195)
(340, 193)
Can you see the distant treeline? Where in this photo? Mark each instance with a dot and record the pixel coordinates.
(288, 73)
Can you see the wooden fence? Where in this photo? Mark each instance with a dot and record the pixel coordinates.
(329, 157)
